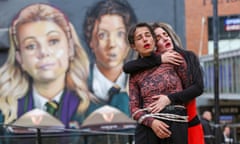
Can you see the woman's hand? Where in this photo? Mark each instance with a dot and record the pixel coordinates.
(160, 129)
(171, 57)
(160, 102)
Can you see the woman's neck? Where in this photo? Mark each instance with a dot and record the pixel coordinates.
(111, 73)
(50, 89)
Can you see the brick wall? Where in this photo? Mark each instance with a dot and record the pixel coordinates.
(196, 11)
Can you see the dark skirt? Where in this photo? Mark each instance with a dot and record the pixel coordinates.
(145, 135)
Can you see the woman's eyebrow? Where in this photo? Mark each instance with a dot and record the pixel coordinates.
(27, 38)
(53, 31)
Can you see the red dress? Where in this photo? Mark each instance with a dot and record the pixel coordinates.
(195, 133)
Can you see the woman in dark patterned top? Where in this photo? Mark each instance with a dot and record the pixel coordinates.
(189, 94)
(146, 86)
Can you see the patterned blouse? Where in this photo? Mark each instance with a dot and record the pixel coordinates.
(163, 79)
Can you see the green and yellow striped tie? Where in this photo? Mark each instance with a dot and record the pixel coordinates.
(52, 107)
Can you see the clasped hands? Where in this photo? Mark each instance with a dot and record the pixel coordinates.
(160, 128)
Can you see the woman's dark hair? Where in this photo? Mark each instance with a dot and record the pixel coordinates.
(133, 29)
(175, 38)
(194, 68)
(104, 7)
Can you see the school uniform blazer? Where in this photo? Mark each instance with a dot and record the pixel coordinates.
(118, 99)
(66, 112)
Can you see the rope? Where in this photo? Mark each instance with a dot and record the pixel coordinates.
(163, 116)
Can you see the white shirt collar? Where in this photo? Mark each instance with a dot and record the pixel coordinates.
(101, 84)
(39, 101)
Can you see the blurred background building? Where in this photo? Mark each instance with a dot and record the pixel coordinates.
(199, 38)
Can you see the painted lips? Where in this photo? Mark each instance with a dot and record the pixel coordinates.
(147, 46)
(46, 66)
(167, 45)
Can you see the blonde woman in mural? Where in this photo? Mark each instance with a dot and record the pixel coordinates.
(45, 63)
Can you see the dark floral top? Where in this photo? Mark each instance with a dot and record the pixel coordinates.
(163, 79)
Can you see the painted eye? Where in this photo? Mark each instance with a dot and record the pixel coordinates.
(31, 46)
(121, 34)
(103, 36)
(53, 42)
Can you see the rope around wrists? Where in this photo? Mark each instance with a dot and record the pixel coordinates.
(162, 116)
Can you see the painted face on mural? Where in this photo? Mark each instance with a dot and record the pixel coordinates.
(43, 51)
(108, 42)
